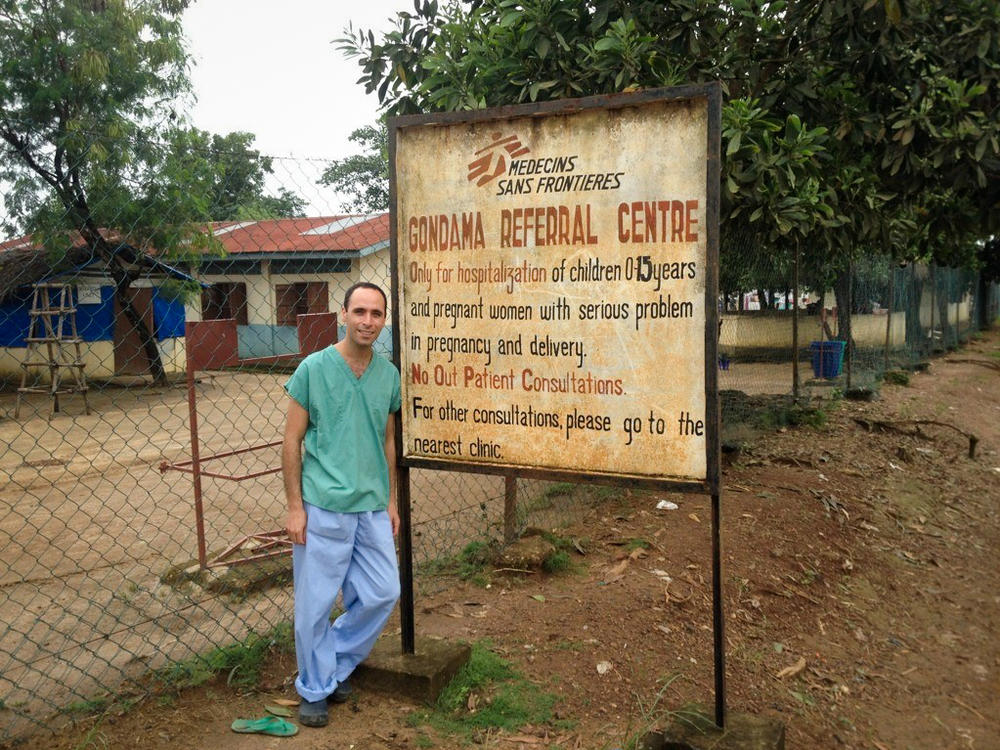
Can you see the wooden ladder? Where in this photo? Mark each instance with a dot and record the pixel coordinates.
(52, 344)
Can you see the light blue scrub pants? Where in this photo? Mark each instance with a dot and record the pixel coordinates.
(349, 552)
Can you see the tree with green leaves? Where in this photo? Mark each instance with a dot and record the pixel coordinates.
(848, 128)
(231, 172)
(495, 52)
(363, 177)
(94, 147)
(87, 88)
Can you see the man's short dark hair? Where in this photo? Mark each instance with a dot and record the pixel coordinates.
(365, 285)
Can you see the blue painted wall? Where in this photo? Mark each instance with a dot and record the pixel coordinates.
(93, 322)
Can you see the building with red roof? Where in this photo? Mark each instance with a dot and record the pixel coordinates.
(266, 274)
(276, 269)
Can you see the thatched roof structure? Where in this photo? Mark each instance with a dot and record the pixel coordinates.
(22, 262)
(25, 265)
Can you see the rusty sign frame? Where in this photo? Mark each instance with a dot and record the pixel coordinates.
(711, 95)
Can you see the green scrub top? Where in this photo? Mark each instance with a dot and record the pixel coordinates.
(344, 467)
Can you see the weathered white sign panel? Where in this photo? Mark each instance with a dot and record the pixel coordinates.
(551, 270)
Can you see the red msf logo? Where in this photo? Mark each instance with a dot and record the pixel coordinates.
(491, 161)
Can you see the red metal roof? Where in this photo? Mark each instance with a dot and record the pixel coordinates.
(313, 234)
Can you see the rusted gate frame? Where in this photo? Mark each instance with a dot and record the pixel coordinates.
(193, 466)
(313, 335)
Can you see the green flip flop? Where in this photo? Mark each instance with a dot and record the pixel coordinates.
(272, 725)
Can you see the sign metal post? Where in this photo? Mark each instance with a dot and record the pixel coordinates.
(555, 299)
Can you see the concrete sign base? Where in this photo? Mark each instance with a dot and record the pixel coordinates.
(695, 730)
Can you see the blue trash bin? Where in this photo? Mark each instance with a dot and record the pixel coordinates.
(827, 358)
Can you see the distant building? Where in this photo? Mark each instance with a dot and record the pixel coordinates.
(110, 344)
(271, 271)
(275, 270)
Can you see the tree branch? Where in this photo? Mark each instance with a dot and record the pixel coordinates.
(21, 146)
(899, 425)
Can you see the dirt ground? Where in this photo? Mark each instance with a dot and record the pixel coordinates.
(862, 599)
(89, 525)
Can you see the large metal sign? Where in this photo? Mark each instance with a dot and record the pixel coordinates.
(555, 274)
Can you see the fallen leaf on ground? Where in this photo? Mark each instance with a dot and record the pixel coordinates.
(674, 596)
(803, 697)
(617, 571)
(285, 702)
(793, 670)
(278, 711)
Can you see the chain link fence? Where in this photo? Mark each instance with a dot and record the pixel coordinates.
(876, 316)
(132, 505)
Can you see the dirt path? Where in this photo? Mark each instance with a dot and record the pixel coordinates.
(861, 595)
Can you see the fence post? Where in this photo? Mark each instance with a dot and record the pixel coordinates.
(509, 508)
(958, 305)
(199, 511)
(888, 316)
(795, 326)
(933, 303)
(850, 314)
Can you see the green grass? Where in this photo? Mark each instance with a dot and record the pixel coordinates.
(650, 714)
(896, 377)
(771, 412)
(634, 544)
(471, 564)
(502, 699)
(473, 561)
(241, 662)
(565, 645)
(94, 738)
(790, 415)
(88, 708)
(559, 488)
(604, 493)
(547, 499)
(557, 562)
(560, 559)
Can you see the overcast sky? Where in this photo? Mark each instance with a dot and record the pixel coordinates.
(269, 67)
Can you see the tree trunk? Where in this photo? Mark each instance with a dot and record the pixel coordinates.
(763, 302)
(66, 181)
(123, 283)
(916, 341)
(842, 293)
(982, 302)
(943, 297)
(795, 326)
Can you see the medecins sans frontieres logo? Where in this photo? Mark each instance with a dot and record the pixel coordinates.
(491, 160)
